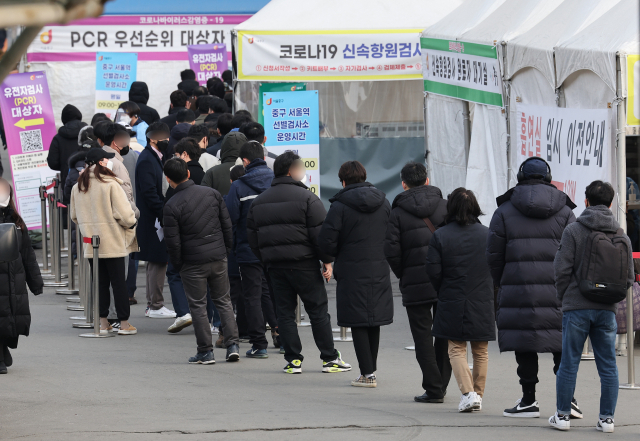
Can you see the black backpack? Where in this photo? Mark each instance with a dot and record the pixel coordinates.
(605, 266)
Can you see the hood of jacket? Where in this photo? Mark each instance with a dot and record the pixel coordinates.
(536, 199)
(287, 180)
(180, 131)
(258, 176)
(421, 201)
(230, 148)
(363, 197)
(71, 130)
(139, 92)
(77, 157)
(599, 218)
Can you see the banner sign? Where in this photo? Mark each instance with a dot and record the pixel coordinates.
(158, 37)
(292, 122)
(275, 87)
(207, 61)
(575, 142)
(114, 74)
(329, 55)
(29, 126)
(633, 90)
(467, 71)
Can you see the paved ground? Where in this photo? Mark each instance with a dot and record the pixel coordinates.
(62, 387)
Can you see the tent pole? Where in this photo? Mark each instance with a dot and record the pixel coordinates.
(505, 98)
(466, 126)
(426, 139)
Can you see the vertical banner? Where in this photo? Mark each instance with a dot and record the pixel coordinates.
(575, 142)
(207, 61)
(114, 74)
(633, 90)
(29, 126)
(275, 87)
(292, 122)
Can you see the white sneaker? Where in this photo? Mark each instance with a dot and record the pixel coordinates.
(469, 402)
(560, 422)
(214, 330)
(180, 323)
(605, 425)
(162, 313)
(479, 408)
(147, 311)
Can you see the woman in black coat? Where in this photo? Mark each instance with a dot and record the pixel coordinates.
(15, 318)
(458, 270)
(354, 233)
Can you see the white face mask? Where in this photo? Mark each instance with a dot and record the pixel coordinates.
(5, 202)
(304, 179)
(110, 165)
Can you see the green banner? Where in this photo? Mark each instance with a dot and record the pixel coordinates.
(276, 87)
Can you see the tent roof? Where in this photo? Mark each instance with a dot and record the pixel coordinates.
(284, 15)
(161, 7)
(595, 47)
(463, 18)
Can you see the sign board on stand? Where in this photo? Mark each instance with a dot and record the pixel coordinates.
(291, 122)
(207, 61)
(29, 126)
(114, 74)
(275, 87)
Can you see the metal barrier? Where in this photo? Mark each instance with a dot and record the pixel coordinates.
(299, 321)
(55, 249)
(83, 291)
(587, 353)
(72, 280)
(45, 272)
(95, 295)
(631, 374)
(343, 335)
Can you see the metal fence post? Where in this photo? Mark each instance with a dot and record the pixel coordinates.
(95, 243)
(55, 249)
(45, 272)
(72, 280)
(631, 374)
(82, 290)
(343, 335)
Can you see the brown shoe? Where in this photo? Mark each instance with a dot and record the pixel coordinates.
(133, 301)
(220, 341)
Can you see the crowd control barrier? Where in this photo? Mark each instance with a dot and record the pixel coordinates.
(94, 294)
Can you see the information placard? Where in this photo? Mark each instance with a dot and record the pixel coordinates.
(114, 74)
(207, 61)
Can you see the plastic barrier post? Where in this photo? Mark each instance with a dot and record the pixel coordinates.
(95, 243)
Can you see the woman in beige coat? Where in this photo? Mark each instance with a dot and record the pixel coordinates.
(100, 207)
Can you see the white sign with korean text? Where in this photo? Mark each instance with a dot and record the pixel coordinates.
(575, 142)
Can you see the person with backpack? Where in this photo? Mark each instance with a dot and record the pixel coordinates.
(593, 270)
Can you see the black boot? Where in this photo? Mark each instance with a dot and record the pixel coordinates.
(3, 368)
(8, 360)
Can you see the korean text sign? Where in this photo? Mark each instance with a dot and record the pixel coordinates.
(114, 74)
(467, 71)
(292, 122)
(575, 142)
(29, 126)
(207, 61)
(329, 56)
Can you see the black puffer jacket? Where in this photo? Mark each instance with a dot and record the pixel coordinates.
(283, 226)
(197, 228)
(76, 163)
(460, 274)
(524, 236)
(354, 233)
(15, 318)
(63, 145)
(139, 94)
(408, 239)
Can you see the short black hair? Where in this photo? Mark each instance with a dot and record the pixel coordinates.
(253, 131)
(178, 98)
(225, 123)
(176, 170)
(190, 146)
(227, 76)
(99, 117)
(463, 207)
(109, 132)
(212, 80)
(130, 108)
(241, 118)
(413, 174)
(157, 126)
(599, 193)
(187, 74)
(198, 132)
(99, 129)
(217, 89)
(185, 115)
(203, 103)
(352, 172)
(237, 171)
(218, 105)
(200, 91)
(283, 163)
(251, 151)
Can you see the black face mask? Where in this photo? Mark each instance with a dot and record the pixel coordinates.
(162, 145)
(124, 150)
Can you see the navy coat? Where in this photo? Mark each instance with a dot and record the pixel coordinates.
(150, 202)
(524, 236)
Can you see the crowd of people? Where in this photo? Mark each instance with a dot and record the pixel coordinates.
(239, 237)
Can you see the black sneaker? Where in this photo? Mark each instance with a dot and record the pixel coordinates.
(276, 340)
(575, 410)
(203, 358)
(8, 359)
(233, 353)
(3, 368)
(294, 367)
(425, 398)
(523, 411)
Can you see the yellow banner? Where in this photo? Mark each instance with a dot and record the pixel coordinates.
(633, 90)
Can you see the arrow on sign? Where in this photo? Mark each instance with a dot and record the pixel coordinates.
(24, 123)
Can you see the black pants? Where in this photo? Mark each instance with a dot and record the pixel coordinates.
(287, 285)
(528, 373)
(252, 280)
(433, 358)
(111, 273)
(236, 300)
(366, 341)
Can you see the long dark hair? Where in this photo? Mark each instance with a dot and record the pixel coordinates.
(12, 208)
(462, 207)
(99, 171)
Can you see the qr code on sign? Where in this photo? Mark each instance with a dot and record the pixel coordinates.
(31, 141)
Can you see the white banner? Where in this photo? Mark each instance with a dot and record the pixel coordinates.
(575, 142)
(329, 56)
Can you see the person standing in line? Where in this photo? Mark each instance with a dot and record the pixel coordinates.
(178, 102)
(138, 125)
(100, 207)
(282, 227)
(24, 271)
(414, 214)
(150, 202)
(223, 127)
(459, 272)
(65, 143)
(139, 94)
(201, 134)
(199, 236)
(217, 177)
(353, 233)
(524, 236)
(596, 247)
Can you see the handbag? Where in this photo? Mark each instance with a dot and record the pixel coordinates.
(621, 313)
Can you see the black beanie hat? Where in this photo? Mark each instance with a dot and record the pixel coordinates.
(70, 113)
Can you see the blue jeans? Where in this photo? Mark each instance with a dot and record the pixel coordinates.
(600, 326)
(178, 297)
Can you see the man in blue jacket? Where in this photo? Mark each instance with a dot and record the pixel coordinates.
(243, 191)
